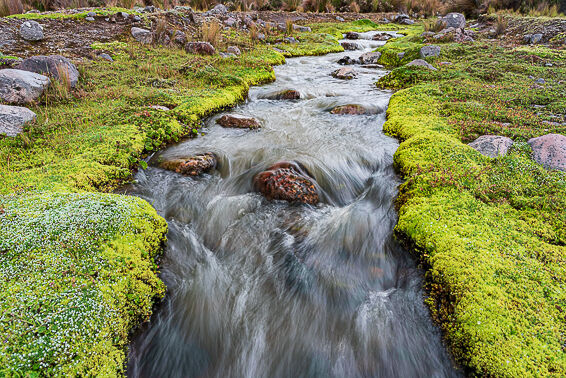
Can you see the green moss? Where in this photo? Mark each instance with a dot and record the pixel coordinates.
(490, 231)
(79, 15)
(402, 50)
(76, 275)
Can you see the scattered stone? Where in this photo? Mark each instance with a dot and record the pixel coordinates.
(492, 145)
(352, 35)
(429, 51)
(261, 37)
(540, 80)
(338, 18)
(136, 18)
(13, 119)
(105, 57)
(159, 107)
(300, 28)
(287, 94)
(219, 9)
(238, 121)
(180, 38)
(532, 38)
(53, 65)
(149, 9)
(31, 31)
(370, 57)
(350, 46)
(346, 60)
(427, 34)
(201, 48)
(287, 181)
(401, 17)
(290, 40)
(123, 15)
(381, 37)
(230, 22)
(400, 55)
(192, 165)
(89, 19)
(350, 109)
(345, 73)
(9, 62)
(550, 151)
(454, 20)
(421, 63)
(91, 14)
(142, 35)
(21, 87)
(233, 50)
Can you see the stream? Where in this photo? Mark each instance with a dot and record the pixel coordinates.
(260, 288)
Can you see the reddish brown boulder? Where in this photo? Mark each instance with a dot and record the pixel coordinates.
(287, 181)
(238, 121)
(287, 94)
(352, 35)
(192, 165)
(381, 37)
(550, 151)
(201, 48)
(352, 109)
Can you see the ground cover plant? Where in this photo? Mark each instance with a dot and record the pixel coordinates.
(489, 231)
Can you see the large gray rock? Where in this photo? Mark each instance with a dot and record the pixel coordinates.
(301, 28)
(55, 65)
(429, 51)
(454, 20)
(345, 73)
(532, 38)
(233, 50)
(21, 87)
(550, 151)
(13, 119)
(31, 31)
(142, 35)
(492, 145)
(421, 63)
(370, 57)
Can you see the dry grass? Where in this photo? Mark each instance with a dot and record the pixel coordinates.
(291, 5)
(8, 7)
(128, 4)
(434, 25)
(501, 25)
(210, 32)
(288, 27)
(354, 7)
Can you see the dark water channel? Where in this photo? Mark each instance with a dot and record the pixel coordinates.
(261, 288)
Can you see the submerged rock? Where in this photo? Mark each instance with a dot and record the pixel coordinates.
(13, 119)
(21, 87)
(550, 151)
(238, 121)
(287, 181)
(201, 48)
(492, 145)
(345, 73)
(421, 63)
(287, 94)
(55, 65)
(350, 46)
(192, 165)
(352, 109)
(31, 31)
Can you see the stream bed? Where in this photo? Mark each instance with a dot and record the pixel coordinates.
(260, 288)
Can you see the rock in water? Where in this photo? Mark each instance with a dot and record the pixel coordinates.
(352, 35)
(352, 109)
(421, 63)
(287, 94)
(238, 121)
(192, 165)
(346, 60)
(454, 20)
(55, 65)
(492, 145)
(201, 48)
(287, 181)
(381, 37)
(21, 87)
(345, 73)
(142, 35)
(550, 151)
(350, 46)
(13, 119)
(370, 57)
(31, 31)
(429, 51)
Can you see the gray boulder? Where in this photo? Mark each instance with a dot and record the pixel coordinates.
(53, 65)
(180, 38)
(532, 38)
(429, 51)
(345, 73)
(219, 9)
(492, 145)
(350, 46)
(550, 151)
(105, 57)
(13, 119)
(21, 87)
(233, 50)
(142, 35)
(370, 57)
(421, 63)
(300, 28)
(454, 20)
(31, 31)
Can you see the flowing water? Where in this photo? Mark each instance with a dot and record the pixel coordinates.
(260, 288)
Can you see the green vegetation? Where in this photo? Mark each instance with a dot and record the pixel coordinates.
(490, 231)
(76, 274)
(79, 15)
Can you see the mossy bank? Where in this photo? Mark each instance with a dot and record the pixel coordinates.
(78, 268)
(489, 231)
